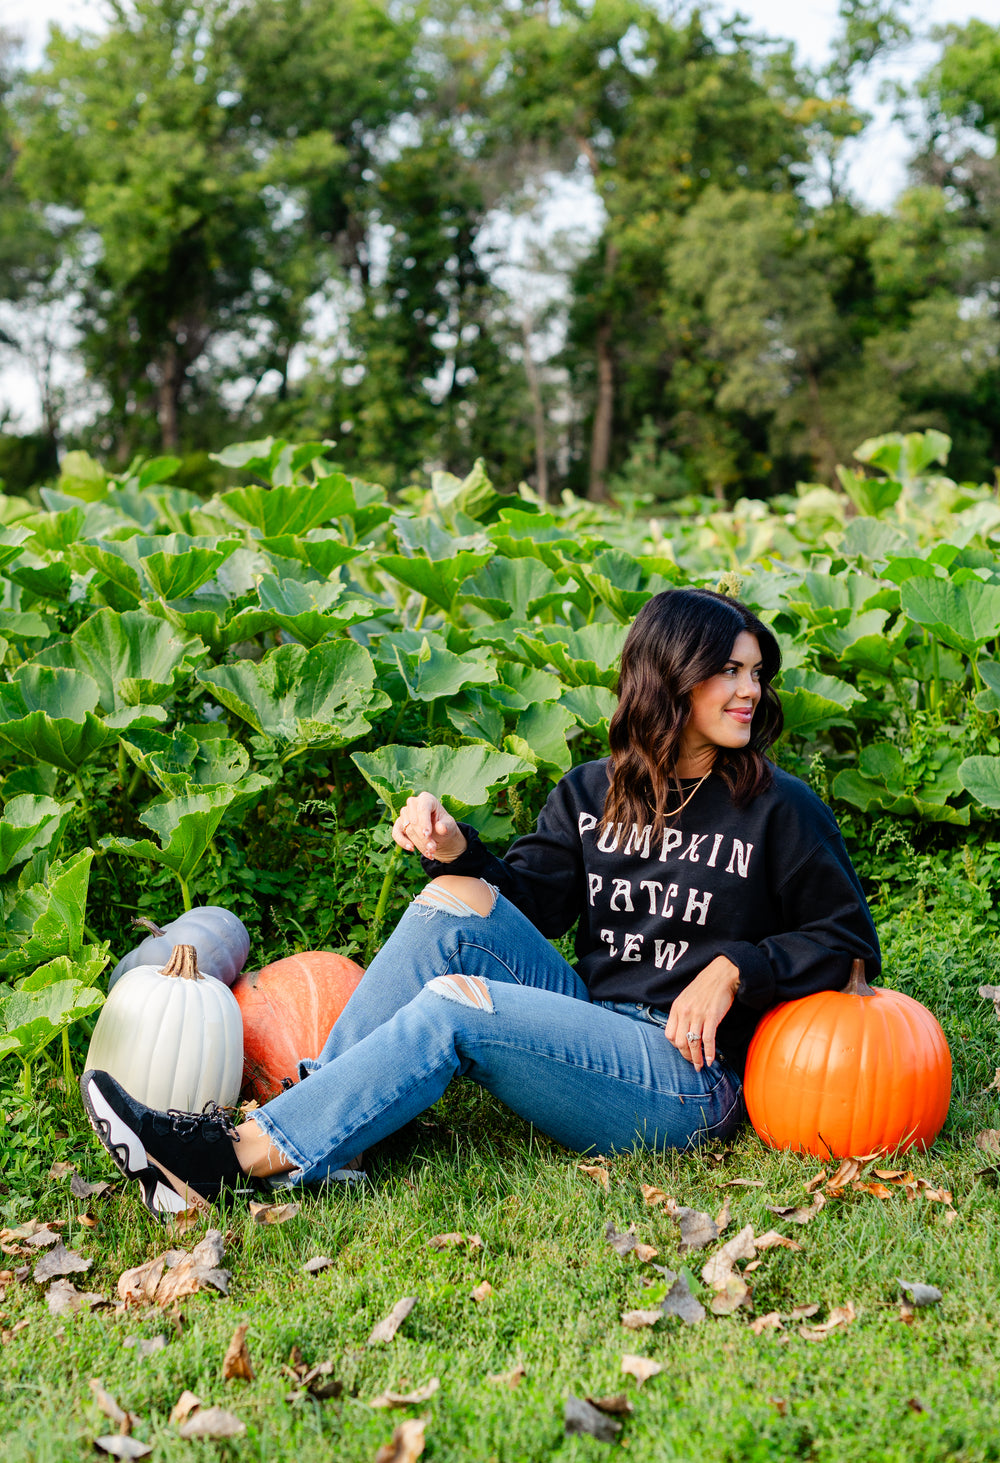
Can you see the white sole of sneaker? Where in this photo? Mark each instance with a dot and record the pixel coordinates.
(115, 1133)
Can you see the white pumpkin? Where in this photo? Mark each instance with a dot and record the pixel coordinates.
(171, 1037)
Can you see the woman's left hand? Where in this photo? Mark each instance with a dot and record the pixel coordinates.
(697, 1011)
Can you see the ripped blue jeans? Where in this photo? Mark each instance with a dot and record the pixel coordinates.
(455, 991)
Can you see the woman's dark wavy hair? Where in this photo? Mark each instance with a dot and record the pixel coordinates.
(678, 639)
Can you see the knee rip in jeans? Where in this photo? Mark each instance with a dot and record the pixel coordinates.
(467, 990)
(442, 894)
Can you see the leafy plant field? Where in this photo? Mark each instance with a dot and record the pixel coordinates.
(224, 701)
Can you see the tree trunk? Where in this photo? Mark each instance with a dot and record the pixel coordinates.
(600, 442)
(538, 406)
(167, 394)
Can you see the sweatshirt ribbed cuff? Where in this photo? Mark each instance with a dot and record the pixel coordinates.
(756, 987)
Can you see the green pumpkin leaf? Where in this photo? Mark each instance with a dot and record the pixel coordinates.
(474, 496)
(186, 825)
(519, 587)
(584, 657)
(56, 996)
(462, 777)
(12, 541)
(476, 718)
(430, 670)
(46, 918)
(302, 698)
(46, 713)
(184, 760)
(522, 686)
(81, 477)
(980, 776)
(540, 737)
(322, 550)
(964, 616)
(811, 701)
(30, 823)
(313, 611)
(135, 658)
(291, 509)
(438, 580)
(989, 698)
(592, 706)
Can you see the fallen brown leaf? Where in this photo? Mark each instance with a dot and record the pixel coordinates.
(724, 1215)
(847, 1171)
(770, 1322)
(915, 1405)
(797, 1215)
(236, 1364)
(717, 1270)
(510, 1379)
(317, 1263)
(123, 1420)
(920, 1294)
(43, 1236)
(873, 1187)
(680, 1302)
(636, 1320)
(988, 1140)
(816, 1182)
(386, 1329)
(839, 1316)
(640, 1367)
(406, 1444)
(652, 1195)
(183, 1408)
(773, 1240)
(626, 1243)
(177, 1273)
(59, 1261)
(61, 1170)
(742, 1184)
(617, 1405)
(407, 1399)
(780, 1405)
(455, 1240)
(482, 1292)
(120, 1445)
(63, 1298)
(583, 1418)
(81, 1189)
(184, 1221)
(273, 1213)
(212, 1422)
(698, 1229)
(729, 1297)
(803, 1312)
(597, 1172)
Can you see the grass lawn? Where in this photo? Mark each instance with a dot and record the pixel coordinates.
(878, 1386)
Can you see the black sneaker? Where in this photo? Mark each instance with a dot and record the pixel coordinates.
(180, 1159)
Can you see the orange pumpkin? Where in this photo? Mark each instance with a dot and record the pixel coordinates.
(849, 1072)
(288, 1009)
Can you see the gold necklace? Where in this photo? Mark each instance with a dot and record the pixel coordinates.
(674, 812)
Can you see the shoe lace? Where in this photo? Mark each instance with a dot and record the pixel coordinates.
(212, 1124)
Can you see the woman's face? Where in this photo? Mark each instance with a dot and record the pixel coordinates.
(722, 707)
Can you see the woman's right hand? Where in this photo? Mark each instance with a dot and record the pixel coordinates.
(425, 826)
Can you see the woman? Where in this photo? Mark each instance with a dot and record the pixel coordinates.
(708, 885)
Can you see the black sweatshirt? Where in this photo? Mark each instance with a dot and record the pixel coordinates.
(770, 886)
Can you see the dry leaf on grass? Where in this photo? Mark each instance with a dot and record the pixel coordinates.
(873, 1187)
(652, 1195)
(59, 1261)
(454, 1240)
(43, 1236)
(597, 1172)
(724, 1215)
(920, 1294)
(802, 1312)
(63, 1298)
(212, 1422)
(640, 1367)
(314, 1381)
(177, 1273)
(698, 1229)
(770, 1322)
(317, 1263)
(146, 1345)
(626, 1243)
(510, 1379)
(61, 1170)
(988, 1140)
(780, 1405)
(735, 1292)
(681, 1303)
(773, 1240)
(124, 1421)
(717, 1270)
(236, 1364)
(618, 1405)
(81, 1189)
(482, 1292)
(407, 1399)
(273, 1213)
(387, 1328)
(637, 1320)
(182, 1409)
(839, 1317)
(742, 1184)
(795, 1214)
(120, 1445)
(581, 1417)
(406, 1444)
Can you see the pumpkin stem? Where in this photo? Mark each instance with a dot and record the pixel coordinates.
(183, 963)
(857, 985)
(147, 924)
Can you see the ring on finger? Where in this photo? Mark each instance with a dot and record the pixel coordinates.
(694, 1036)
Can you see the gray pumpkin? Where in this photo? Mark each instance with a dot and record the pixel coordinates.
(221, 940)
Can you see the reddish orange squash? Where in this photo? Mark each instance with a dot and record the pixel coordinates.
(288, 1009)
(848, 1072)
